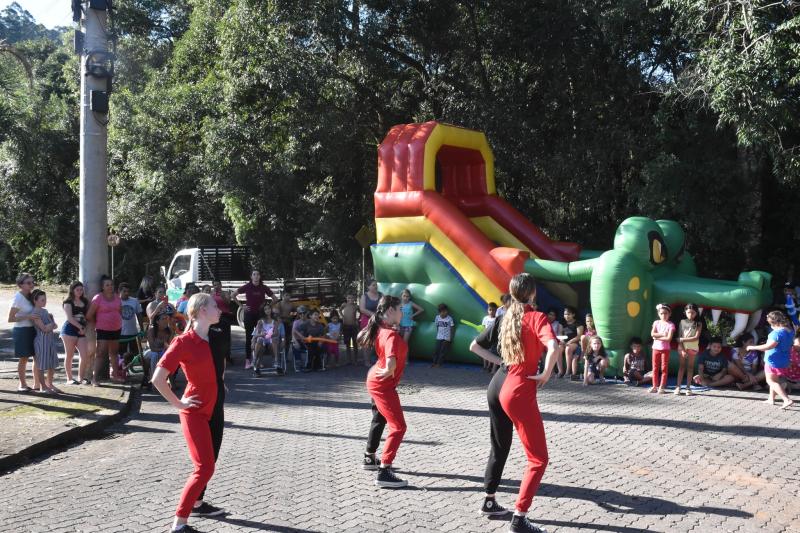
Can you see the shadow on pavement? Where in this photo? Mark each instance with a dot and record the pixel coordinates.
(591, 527)
(610, 500)
(317, 434)
(259, 526)
(739, 431)
(272, 398)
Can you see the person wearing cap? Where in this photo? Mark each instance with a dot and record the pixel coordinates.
(299, 333)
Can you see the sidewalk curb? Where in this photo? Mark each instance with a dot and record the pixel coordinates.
(105, 418)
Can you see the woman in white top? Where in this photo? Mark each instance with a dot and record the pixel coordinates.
(24, 331)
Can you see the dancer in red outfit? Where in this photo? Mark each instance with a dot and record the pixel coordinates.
(524, 333)
(191, 351)
(382, 381)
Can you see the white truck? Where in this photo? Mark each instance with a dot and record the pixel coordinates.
(232, 266)
(206, 264)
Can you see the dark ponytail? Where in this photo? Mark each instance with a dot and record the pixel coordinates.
(366, 337)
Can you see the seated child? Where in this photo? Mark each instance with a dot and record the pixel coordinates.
(595, 362)
(793, 373)
(314, 328)
(298, 337)
(747, 366)
(572, 344)
(634, 363)
(712, 366)
(588, 332)
(262, 341)
(334, 331)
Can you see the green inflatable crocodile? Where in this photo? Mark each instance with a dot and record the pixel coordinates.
(648, 265)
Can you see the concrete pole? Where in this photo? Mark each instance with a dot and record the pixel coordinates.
(93, 252)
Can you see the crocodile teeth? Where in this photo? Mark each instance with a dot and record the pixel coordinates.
(739, 324)
(715, 314)
(755, 318)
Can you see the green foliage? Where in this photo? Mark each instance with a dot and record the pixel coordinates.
(721, 329)
(258, 122)
(747, 70)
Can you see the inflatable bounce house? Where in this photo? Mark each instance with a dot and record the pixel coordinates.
(444, 234)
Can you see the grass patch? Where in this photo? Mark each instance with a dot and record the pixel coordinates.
(50, 409)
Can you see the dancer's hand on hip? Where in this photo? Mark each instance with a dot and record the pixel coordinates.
(388, 371)
(190, 402)
(541, 379)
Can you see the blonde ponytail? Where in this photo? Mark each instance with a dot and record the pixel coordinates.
(196, 303)
(522, 287)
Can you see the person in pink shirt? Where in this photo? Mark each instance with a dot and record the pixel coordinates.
(662, 333)
(106, 313)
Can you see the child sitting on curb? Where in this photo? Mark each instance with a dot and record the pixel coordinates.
(634, 364)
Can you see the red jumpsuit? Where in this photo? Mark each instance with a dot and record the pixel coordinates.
(518, 398)
(193, 355)
(384, 391)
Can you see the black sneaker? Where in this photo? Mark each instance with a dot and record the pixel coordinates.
(491, 508)
(521, 524)
(206, 509)
(185, 529)
(388, 480)
(257, 373)
(371, 462)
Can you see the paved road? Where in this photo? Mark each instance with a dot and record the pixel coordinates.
(622, 461)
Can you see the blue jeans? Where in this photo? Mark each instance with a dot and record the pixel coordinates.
(153, 357)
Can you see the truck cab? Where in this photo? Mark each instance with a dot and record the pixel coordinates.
(205, 264)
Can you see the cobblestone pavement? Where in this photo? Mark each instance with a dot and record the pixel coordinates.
(622, 461)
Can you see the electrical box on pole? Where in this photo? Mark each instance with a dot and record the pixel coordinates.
(96, 73)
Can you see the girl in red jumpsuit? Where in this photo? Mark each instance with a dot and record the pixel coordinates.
(382, 381)
(524, 334)
(191, 351)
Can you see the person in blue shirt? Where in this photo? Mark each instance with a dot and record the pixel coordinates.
(776, 356)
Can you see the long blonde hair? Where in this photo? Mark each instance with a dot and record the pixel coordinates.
(521, 287)
(196, 303)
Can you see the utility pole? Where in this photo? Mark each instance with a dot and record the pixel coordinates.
(96, 73)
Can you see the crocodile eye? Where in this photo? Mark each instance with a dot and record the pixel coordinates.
(658, 250)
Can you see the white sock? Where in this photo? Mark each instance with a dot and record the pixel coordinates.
(518, 513)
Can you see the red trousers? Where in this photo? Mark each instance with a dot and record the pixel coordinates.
(197, 432)
(518, 398)
(387, 401)
(660, 366)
